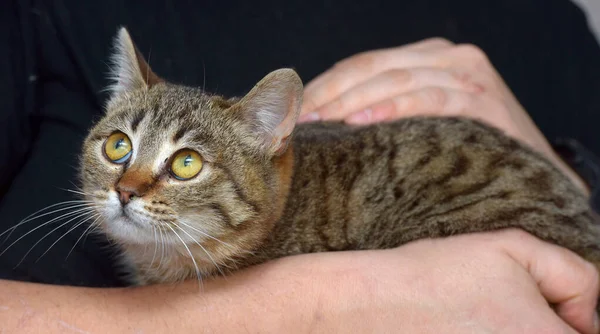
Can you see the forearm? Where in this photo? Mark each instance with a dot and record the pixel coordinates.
(265, 298)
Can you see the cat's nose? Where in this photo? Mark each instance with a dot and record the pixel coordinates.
(133, 183)
(125, 196)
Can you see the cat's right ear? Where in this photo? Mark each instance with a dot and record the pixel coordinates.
(271, 108)
(129, 70)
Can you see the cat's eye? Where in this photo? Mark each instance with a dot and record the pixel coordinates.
(118, 148)
(186, 164)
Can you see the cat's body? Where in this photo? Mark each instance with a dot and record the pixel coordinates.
(263, 192)
(384, 185)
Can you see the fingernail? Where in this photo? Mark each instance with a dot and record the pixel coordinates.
(360, 117)
(310, 117)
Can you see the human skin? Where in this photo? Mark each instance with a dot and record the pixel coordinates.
(486, 282)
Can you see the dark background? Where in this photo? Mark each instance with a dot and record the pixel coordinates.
(53, 70)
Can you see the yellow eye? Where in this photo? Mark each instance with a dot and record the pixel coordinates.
(186, 164)
(118, 148)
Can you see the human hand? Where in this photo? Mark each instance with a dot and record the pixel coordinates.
(474, 283)
(431, 77)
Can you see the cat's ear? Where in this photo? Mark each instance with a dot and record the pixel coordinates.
(130, 71)
(272, 107)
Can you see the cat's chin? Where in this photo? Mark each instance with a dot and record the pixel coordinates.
(126, 225)
(127, 230)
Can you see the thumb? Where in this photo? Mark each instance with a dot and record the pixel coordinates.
(564, 278)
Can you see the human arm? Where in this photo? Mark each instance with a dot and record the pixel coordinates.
(477, 282)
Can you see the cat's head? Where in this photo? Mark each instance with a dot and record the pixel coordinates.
(178, 164)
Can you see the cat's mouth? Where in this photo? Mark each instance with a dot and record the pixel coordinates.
(128, 219)
(128, 223)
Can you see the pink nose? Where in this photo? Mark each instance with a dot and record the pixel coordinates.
(125, 196)
(133, 183)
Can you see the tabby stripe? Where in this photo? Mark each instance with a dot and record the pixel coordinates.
(461, 166)
(221, 212)
(183, 128)
(137, 119)
(390, 163)
(470, 189)
(539, 182)
(324, 204)
(237, 189)
(474, 188)
(460, 207)
(514, 215)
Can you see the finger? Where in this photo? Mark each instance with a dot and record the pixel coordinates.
(428, 101)
(429, 44)
(359, 68)
(389, 84)
(558, 323)
(563, 277)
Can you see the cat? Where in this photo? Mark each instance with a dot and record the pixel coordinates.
(191, 184)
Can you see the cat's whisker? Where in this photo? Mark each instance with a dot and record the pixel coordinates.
(162, 248)
(79, 215)
(236, 249)
(64, 216)
(83, 234)
(78, 224)
(76, 186)
(33, 216)
(155, 245)
(204, 249)
(78, 192)
(190, 253)
(206, 234)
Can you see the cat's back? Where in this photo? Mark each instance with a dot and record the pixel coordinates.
(389, 183)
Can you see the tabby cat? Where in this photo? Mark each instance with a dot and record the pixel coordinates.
(191, 184)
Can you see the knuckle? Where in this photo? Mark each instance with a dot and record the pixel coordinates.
(336, 105)
(333, 88)
(360, 60)
(472, 51)
(515, 235)
(408, 103)
(519, 234)
(461, 76)
(437, 97)
(592, 274)
(439, 41)
(399, 77)
(587, 274)
(308, 104)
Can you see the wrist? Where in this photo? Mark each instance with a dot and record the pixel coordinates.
(272, 297)
(323, 292)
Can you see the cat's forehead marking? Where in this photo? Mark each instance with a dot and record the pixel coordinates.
(182, 129)
(138, 116)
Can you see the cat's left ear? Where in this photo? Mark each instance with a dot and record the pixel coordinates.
(271, 109)
(130, 70)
